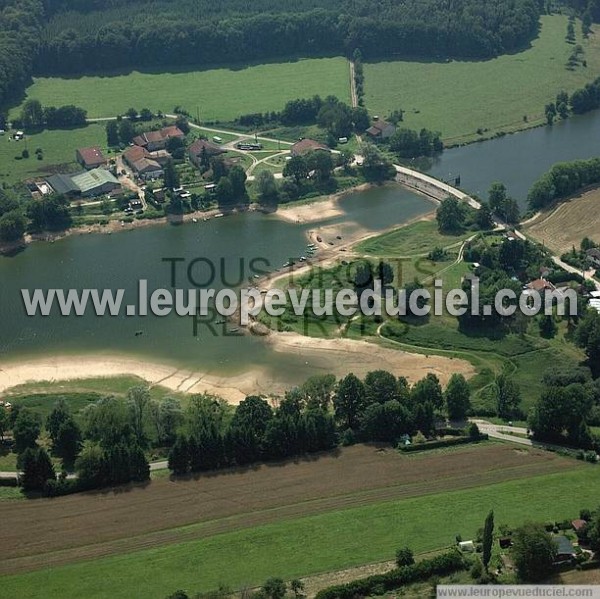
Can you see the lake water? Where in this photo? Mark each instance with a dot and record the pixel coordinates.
(518, 160)
(119, 260)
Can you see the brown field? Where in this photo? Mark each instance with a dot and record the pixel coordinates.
(566, 225)
(49, 532)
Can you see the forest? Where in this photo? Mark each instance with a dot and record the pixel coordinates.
(89, 35)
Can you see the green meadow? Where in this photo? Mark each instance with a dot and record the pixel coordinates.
(58, 152)
(459, 97)
(219, 94)
(314, 544)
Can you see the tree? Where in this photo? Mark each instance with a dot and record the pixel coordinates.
(349, 401)
(534, 552)
(132, 114)
(146, 114)
(237, 177)
(224, 193)
(593, 531)
(51, 212)
(587, 336)
(322, 163)
(91, 466)
(458, 397)
(26, 429)
(182, 124)
(170, 176)
(126, 131)
(297, 587)
(380, 386)
(32, 115)
(548, 326)
(12, 226)
(274, 588)
(376, 167)
(58, 416)
(138, 399)
(404, 557)
(508, 397)
(488, 539)
(297, 168)
(484, 218)
(428, 389)
(68, 442)
(179, 457)
(268, 194)
(4, 422)
(37, 469)
(450, 216)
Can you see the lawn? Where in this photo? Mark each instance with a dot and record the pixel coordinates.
(416, 239)
(58, 148)
(459, 97)
(320, 543)
(219, 94)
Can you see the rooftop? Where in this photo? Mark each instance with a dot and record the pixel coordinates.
(307, 145)
(94, 178)
(92, 155)
(62, 184)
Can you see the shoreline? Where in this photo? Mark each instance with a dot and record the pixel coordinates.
(328, 355)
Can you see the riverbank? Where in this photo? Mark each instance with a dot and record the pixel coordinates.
(336, 356)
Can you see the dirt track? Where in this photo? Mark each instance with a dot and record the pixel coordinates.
(50, 532)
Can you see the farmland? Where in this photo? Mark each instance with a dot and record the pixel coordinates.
(219, 94)
(294, 520)
(459, 97)
(565, 226)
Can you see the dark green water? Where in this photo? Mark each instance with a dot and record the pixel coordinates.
(118, 261)
(518, 160)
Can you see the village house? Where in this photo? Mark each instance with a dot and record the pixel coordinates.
(142, 164)
(157, 140)
(90, 158)
(593, 256)
(381, 130)
(203, 147)
(566, 552)
(305, 146)
(540, 285)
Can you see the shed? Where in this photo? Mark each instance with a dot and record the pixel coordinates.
(467, 546)
(96, 182)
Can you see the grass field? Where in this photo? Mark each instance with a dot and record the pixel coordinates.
(459, 97)
(416, 239)
(58, 152)
(298, 546)
(219, 94)
(565, 226)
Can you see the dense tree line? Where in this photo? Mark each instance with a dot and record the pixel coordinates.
(379, 408)
(563, 179)
(412, 144)
(35, 116)
(20, 26)
(203, 33)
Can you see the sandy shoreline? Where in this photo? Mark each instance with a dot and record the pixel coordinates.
(337, 356)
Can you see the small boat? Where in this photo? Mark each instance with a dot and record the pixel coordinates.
(257, 276)
(219, 215)
(194, 220)
(139, 333)
(220, 322)
(302, 258)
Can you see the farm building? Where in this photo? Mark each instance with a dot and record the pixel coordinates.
(157, 140)
(63, 185)
(96, 182)
(566, 552)
(305, 146)
(540, 285)
(381, 130)
(201, 147)
(90, 158)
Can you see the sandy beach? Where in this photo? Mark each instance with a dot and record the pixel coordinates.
(337, 356)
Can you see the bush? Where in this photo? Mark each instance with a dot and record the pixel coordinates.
(476, 570)
(442, 443)
(404, 557)
(440, 565)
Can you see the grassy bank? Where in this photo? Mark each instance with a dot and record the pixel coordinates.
(304, 546)
(460, 97)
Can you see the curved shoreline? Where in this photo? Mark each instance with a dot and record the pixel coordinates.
(336, 356)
